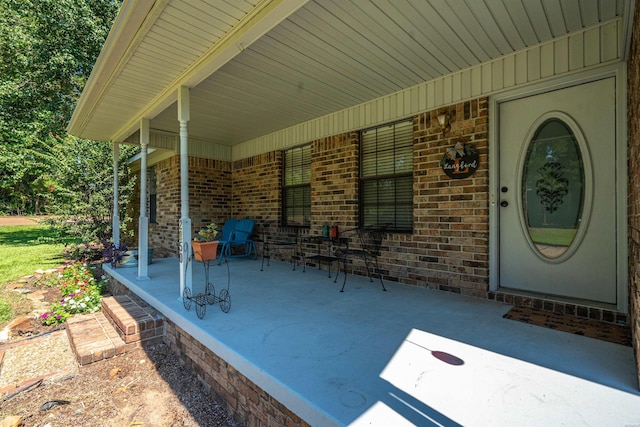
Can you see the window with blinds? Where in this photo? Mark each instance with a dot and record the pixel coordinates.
(296, 186)
(153, 209)
(386, 176)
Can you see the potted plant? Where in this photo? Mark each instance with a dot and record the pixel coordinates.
(205, 247)
(114, 253)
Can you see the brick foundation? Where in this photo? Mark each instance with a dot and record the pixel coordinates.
(244, 400)
(561, 307)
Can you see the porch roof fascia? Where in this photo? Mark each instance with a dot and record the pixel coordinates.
(133, 22)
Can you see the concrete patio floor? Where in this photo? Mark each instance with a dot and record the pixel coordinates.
(409, 356)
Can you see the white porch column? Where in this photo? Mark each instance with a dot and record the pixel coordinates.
(143, 221)
(116, 214)
(186, 276)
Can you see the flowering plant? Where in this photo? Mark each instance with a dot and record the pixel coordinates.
(81, 293)
(208, 233)
(58, 314)
(114, 253)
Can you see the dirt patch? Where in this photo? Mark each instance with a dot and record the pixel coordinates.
(18, 220)
(145, 387)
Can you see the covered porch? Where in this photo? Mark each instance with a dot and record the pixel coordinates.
(409, 356)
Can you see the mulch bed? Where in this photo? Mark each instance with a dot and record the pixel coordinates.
(618, 334)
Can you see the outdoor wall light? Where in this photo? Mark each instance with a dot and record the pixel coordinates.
(443, 120)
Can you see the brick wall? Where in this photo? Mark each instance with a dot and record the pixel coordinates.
(450, 244)
(256, 187)
(209, 192)
(334, 182)
(634, 183)
(448, 249)
(209, 200)
(163, 236)
(256, 193)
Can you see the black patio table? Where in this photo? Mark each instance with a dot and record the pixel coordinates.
(325, 247)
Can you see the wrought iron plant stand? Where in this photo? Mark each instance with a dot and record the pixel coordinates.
(208, 297)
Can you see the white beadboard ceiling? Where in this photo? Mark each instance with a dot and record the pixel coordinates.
(259, 66)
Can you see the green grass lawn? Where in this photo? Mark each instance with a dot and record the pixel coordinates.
(27, 248)
(23, 250)
(553, 236)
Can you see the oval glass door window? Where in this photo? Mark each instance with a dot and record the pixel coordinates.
(553, 189)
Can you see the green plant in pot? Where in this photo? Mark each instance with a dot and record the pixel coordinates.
(205, 247)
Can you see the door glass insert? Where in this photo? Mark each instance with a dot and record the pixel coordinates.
(553, 188)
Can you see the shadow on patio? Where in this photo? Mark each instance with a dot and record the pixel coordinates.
(403, 357)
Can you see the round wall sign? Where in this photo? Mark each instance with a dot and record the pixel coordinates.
(460, 161)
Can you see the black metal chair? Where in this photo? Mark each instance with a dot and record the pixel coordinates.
(370, 239)
(287, 239)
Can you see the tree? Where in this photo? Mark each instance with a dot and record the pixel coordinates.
(47, 51)
(83, 193)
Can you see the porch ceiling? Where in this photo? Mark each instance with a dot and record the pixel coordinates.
(258, 66)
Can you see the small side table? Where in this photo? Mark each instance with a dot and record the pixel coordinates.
(324, 250)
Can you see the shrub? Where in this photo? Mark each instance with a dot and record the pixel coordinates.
(84, 252)
(81, 293)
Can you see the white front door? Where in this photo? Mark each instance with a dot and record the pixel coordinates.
(557, 195)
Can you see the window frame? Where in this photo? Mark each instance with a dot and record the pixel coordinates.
(395, 177)
(302, 185)
(152, 174)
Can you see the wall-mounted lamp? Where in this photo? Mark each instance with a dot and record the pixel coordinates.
(443, 120)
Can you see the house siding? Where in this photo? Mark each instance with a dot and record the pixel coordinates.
(633, 111)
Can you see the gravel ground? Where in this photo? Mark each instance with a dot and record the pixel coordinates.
(48, 355)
